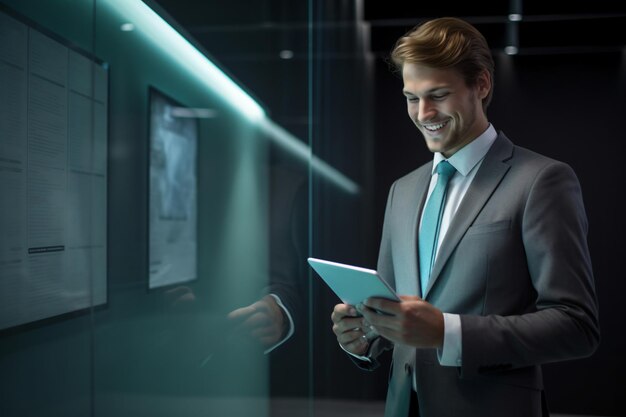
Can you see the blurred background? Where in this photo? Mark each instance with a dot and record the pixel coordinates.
(166, 163)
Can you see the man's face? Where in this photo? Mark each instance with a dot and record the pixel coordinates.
(447, 112)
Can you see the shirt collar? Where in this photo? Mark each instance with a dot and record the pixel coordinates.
(466, 158)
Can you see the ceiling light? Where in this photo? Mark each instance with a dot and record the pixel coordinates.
(511, 50)
(286, 54)
(515, 17)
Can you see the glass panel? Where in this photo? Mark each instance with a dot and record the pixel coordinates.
(204, 249)
(181, 211)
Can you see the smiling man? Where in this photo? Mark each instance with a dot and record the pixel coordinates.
(486, 244)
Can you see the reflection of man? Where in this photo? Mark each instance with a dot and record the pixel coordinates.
(274, 318)
(486, 244)
(276, 315)
(266, 320)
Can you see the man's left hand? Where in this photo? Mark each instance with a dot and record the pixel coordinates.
(412, 322)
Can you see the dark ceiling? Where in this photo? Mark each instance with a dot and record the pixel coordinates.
(547, 26)
(245, 33)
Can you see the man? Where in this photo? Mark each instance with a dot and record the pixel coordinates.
(486, 245)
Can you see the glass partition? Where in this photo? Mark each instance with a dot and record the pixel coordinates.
(164, 179)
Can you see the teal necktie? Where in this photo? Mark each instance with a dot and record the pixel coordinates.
(431, 221)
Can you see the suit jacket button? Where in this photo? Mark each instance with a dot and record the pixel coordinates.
(407, 369)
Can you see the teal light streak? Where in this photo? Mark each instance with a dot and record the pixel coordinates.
(301, 150)
(164, 37)
(156, 30)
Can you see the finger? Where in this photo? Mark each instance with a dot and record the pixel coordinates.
(257, 320)
(358, 346)
(265, 332)
(242, 313)
(343, 310)
(350, 337)
(371, 333)
(381, 321)
(348, 324)
(383, 305)
(390, 334)
(261, 305)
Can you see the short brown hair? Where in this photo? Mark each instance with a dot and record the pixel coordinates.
(447, 43)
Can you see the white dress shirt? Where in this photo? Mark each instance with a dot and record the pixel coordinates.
(466, 161)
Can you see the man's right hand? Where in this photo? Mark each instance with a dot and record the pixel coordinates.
(351, 329)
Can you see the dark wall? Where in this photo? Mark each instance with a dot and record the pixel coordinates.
(571, 108)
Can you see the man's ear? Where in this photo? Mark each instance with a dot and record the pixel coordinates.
(483, 84)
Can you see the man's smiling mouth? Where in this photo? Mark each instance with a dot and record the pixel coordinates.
(433, 127)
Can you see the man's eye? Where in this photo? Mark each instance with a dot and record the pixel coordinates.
(439, 96)
(413, 99)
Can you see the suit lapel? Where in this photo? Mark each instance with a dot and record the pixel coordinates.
(487, 179)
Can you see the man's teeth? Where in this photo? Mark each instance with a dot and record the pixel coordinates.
(438, 126)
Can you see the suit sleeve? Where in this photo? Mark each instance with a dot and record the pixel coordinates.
(563, 323)
(288, 250)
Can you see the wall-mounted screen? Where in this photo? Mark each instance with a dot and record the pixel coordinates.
(172, 192)
(53, 175)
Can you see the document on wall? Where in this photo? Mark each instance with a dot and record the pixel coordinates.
(13, 128)
(173, 194)
(52, 176)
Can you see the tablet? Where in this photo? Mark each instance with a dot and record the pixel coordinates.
(352, 284)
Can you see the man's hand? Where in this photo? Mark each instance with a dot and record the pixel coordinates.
(412, 322)
(352, 331)
(263, 320)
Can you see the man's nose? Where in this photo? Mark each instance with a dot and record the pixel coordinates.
(426, 110)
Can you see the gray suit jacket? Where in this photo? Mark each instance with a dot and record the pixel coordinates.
(514, 265)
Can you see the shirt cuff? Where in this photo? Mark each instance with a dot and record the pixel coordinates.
(451, 353)
(291, 325)
(363, 358)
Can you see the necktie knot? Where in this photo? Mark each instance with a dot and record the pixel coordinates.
(445, 169)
